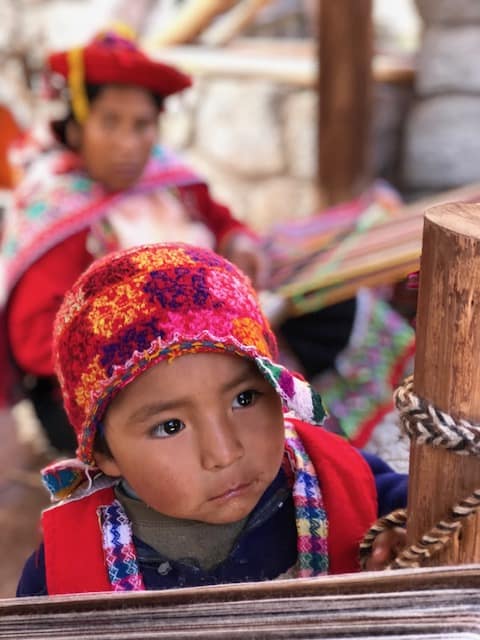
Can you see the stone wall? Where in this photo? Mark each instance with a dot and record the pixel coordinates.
(442, 142)
(255, 140)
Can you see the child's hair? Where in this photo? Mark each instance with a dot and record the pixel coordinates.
(133, 309)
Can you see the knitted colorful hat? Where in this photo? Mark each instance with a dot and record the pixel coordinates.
(113, 58)
(134, 308)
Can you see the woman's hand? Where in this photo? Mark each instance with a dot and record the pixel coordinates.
(247, 253)
(385, 548)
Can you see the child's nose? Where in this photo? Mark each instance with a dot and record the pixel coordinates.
(220, 446)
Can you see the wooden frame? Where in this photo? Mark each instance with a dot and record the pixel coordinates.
(425, 603)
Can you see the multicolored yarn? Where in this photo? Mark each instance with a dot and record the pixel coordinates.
(58, 199)
(120, 554)
(310, 514)
(294, 391)
(135, 308)
(63, 477)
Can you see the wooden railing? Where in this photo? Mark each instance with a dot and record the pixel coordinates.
(292, 62)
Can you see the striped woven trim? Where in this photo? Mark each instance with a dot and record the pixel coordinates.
(310, 514)
(120, 554)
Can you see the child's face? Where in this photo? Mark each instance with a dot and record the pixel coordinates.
(199, 438)
(117, 137)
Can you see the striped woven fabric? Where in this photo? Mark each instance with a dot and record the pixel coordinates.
(370, 241)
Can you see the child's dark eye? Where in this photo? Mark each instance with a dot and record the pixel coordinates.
(245, 399)
(168, 428)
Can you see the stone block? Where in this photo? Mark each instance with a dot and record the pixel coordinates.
(177, 120)
(237, 126)
(8, 19)
(442, 143)
(225, 186)
(390, 107)
(279, 199)
(301, 117)
(448, 60)
(449, 11)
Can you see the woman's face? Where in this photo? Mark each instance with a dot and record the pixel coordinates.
(117, 138)
(199, 438)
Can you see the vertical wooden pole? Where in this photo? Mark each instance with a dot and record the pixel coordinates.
(447, 371)
(345, 94)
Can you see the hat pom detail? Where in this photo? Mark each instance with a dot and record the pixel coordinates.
(297, 395)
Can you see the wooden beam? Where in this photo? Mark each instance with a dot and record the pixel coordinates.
(193, 17)
(229, 26)
(447, 374)
(425, 603)
(287, 61)
(345, 94)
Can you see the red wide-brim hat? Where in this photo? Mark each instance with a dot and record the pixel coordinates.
(113, 59)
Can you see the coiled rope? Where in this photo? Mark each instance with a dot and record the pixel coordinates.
(427, 425)
(421, 421)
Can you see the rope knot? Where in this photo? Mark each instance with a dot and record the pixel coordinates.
(428, 425)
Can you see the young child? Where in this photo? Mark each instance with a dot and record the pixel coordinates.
(199, 460)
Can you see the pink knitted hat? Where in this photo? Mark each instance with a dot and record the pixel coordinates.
(132, 309)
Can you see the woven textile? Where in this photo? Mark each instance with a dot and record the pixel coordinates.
(325, 258)
(135, 308)
(359, 391)
(58, 199)
(310, 515)
(120, 555)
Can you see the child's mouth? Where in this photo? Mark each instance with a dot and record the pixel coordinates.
(233, 492)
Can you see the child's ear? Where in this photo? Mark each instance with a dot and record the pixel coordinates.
(107, 464)
(73, 135)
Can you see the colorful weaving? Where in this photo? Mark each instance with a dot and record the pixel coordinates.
(47, 211)
(120, 554)
(367, 242)
(310, 515)
(359, 390)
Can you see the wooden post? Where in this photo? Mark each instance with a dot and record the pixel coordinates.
(345, 92)
(447, 371)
